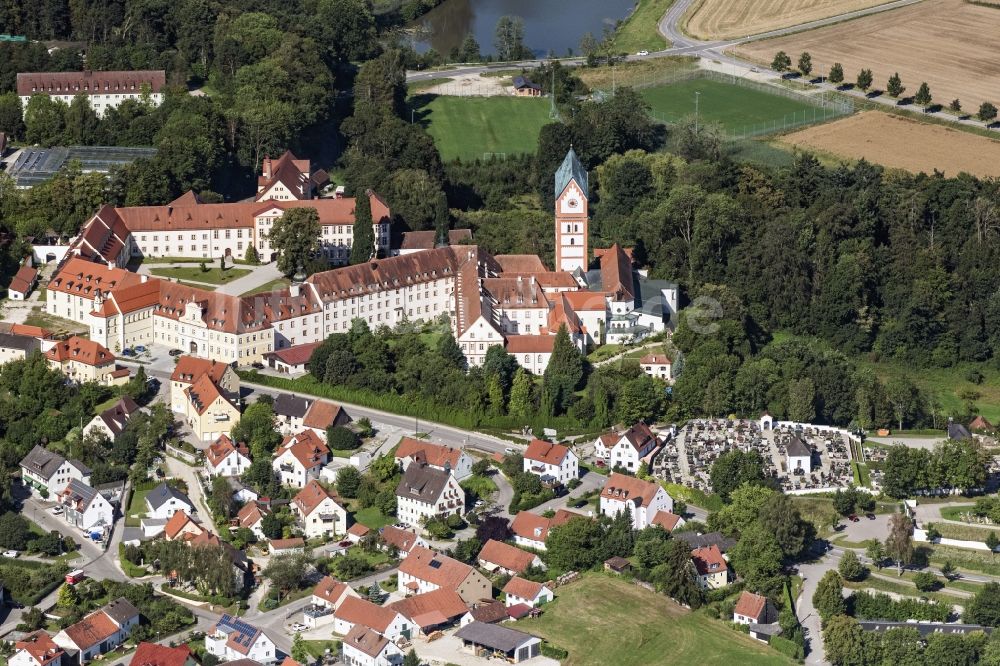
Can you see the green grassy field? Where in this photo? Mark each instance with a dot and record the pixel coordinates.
(280, 283)
(734, 107)
(641, 30)
(468, 127)
(372, 518)
(194, 273)
(626, 625)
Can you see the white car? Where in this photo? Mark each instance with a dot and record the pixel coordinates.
(509, 449)
(298, 627)
(10, 553)
(56, 510)
(643, 52)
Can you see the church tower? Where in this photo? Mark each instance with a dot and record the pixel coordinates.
(571, 215)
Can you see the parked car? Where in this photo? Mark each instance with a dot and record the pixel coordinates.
(509, 449)
(11, 553)
(257, 365)
(56, 510)
(175, 352)
(643, 52)
(153, 384)
(853, 518)
(298, 626)
(128, 352)
(870, 516)
(139, 349)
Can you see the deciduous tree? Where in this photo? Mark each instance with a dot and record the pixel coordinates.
(295, 236)
(781, 62)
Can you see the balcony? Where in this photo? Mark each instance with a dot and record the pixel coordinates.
(316, 611)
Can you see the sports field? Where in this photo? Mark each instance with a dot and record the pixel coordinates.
(726, 19)
(950, 44)
(902, 143)
(603, 620)
(469, 127)
(736, 108)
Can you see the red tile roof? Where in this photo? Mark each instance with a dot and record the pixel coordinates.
(521, 263)
(90, 82)
(506, 556)
(311, 496)
(23, 279)
(41, 647)
(431, 608)
(444, 572)
(586, 301)
(358, 530)
(546, 452)
(330, 589)
(131, 298)
(750, 605)
(435, 455)
(203, 393)
(361, 611)
(639, 436)
(92, 630)
(190, 368)
(287, 544)
(177, 523)
(624, 488)
(616, 273)
(523, 588)
(655, 359)
(530, 526)
(296, 354)
(81, 350)
(306, 447)
(83, 278)
(220, 449)
(321, 415)
(708, 560)
(250, 513)
(666, 520)
(402, 540)
(365, 640)
(153, 654)
(530, 344)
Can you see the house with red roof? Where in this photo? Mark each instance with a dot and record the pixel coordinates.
(437, 456)
(667, 520)
(83, 360)
(508, 559)
(403, 540)
(154, 654)
(432, 610)
(22, 283)
(251, 515)
(365, 647)
(37, 649)
(292, 360)
(99, 632)
(712, 567)
(355, 611)
(531, 530)
(319, 512)
(300, 458)
(627, 449)
(554, 463)
(227, 458)
(634, 497)
(523, 591)
(426, 570)
(328, 595)
(658, 366)
(754, 609)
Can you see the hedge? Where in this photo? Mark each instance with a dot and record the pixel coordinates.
(553, 652)
(880, 606)
(786, 647)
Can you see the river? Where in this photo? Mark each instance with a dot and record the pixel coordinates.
(549, 25)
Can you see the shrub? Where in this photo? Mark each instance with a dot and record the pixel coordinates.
(880, 606)
(342, 439)
(553, 652)
(788, 648)
(926, 581)
(850, 567)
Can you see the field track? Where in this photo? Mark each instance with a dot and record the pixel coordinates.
(901, 143)
(951, 44)
(727, 19)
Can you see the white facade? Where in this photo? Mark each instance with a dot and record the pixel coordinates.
(90, 652)
(641, 515)
(100, 102)
(262, 650)
(563, 471)
(327, 519)
(291, 472)
(451, 500)
(543, 597)
(97, 513)
(389, 656)
(234, 464)
(394, 630)
(169, 508)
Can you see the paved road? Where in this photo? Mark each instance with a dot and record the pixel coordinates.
(258, 275)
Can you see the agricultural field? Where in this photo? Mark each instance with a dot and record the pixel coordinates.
(736, 108)
(943, 42)
(469, 127)
(902, 143)
(726, 19)
(613, 613)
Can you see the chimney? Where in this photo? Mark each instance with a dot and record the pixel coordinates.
(111, 264)
(143, 278)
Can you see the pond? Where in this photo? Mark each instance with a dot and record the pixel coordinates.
(549, 25)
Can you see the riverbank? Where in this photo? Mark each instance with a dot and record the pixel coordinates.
(641, 30)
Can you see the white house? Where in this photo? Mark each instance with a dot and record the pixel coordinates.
(425, 492)
(230, 639)
(226, 458)
(402, 540)
(627, 449)
(712, 567)
(798, 455)
(425, 570)
(754, 609)
(318, 513)
(84, 507)
(328, 595)
(355, 611)
(250, 516)
(44, 470)
(523, 591)
(36, 649)
(511, 560)
(658, 366)
(112, 421)
(300, 458)
(100, 631)
(635, 497)
(364, 647)
(531, 530)
(163, 501)
(446, 458)
(103, 90)
(552, 462)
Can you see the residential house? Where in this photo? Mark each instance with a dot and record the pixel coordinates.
(181, 526)
(712, 568)
(251, 516)
(300, 458)
(754, 609)
(154, 654)
(289, 410)
(292, 546)
(628, 449)
(190, 369)
(658, 366)
(357, 533)
(48, 472)
(433, 610)
(292, 361)
(798, 456)
(208, 411)
(531, 530)
(524, 88)
(328, 595)
(402, 540)
(318, 512)
(635, 497)
(83, 360)
(37, 649)
(508, 559)
(323, 414)
(102, 90)
(523, 591)
(426, 492)
(554, 463)
(163, 501)
(514, 646)
(425, 570)
(99, 632)
(667, 520)
(226, 458)
(22, 283)
(84, 507)
(14, 347)
(485, 611)
(230, 639)
(355, 611)
(438, 456)
(112, 421)
(364, 647)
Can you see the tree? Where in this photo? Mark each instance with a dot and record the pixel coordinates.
(895, 85)
(640, 399)
(270, 525)
(864, 80)
(520, 404)
(987, 112)
(734, 468)
(11, 115)
(948, 569)
(836, 76)
(44, 120)
(675, 576)
(875, 552)
(470, 51)
(348, 481)
(782, 518)
(299, 651)
(926, 581)
(295, 236)
(805, 63)
(221, 497)
(757, 558)
(509, 40)
(899, 543)
(923, 96)
(844, 642)
(850, 566)
(843, 501)
(782, 62)
(828, 599)
(575, 545)
(801, 400)
(251, 256)
(992, 542)
(286, 572)
(956, 105)
(81, 121)
(363, 243)
(342, 438)
(984, 607)
(68, 598)
(563, 374)
(411, 658)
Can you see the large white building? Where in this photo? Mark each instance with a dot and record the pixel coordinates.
(230, 639)
(104, 90)
(425, 492)
(554, 463)
(641, 500)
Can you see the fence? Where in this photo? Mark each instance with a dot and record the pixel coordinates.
(823, 106)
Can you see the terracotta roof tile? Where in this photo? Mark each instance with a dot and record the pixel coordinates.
(330, 589)
(523, 588)
(310, 497)
(444, 602)
(362, 612)
(365, 640)
(750, 605)
(506, 556)
(41, 647)
(220, 449)
(92, 82)
(92, 630)
(546, 452)
(306, 447)
(433, 567)
(81, 350)
(624, 488)
(666, 520)
(708, 560)
(321, 415)
(436, 455)
(152, 654)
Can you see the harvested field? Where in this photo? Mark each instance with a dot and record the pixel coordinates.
(950, 44)
(726, 19)
(901, 143)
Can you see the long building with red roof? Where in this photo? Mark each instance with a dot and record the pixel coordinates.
(104, 90)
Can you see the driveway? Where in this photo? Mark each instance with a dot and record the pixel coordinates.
(449, 650)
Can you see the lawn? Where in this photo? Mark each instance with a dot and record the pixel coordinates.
(641, 30)
(318, 648)
(471, 127)
(194, 273)
(693, 496)
(372, 518)
(39, 317)
(736, 108)
(280, 283)
(627, 625)
(482, 487)
(136, 508)
(957, 512)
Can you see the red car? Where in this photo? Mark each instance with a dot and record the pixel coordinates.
(853, 518)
